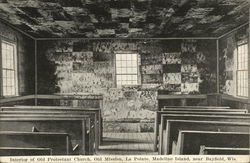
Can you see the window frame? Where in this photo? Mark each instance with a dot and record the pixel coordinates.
(137, 69)
(15, 69)
(242, 70)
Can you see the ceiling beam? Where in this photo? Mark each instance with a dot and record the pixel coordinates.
(17, 29)
(242, 25)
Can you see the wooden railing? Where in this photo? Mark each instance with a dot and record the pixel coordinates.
(76, 99)
(180, 100)
(214, 99)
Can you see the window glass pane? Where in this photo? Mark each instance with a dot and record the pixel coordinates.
(123, 63)
(129, 57)
(134, 77)
(129, 70)
(134, 63)
(126, 69)
(124, 57)
(9, 78)
(129, 64)
(118, 77)
(118, 70)
(134, 82)
(242, 71)
(134, 57)
(118, 63)
(118, 57)
(134, 70)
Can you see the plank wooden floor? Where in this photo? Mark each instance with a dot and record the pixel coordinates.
(127, 144)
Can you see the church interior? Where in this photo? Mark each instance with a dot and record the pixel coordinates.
(124, 77)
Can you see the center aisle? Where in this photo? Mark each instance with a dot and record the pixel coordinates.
(127, 144)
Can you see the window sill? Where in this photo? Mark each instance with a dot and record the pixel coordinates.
(12, 96)
(235, 98)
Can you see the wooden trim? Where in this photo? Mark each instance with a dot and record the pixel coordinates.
(36, 72)
(215, 132)
(224, 148)
(31, 133)
(83, 151)
(44, 108)
(67, 145)
(218, 66)
(164, 97)
(18, 98)
(125, 38)
(156, 130)
(71, 97)
(1, 72)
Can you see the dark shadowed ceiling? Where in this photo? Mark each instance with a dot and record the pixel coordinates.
(125, 18)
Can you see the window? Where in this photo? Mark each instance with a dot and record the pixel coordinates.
(126, 69)
(242, 70)
(9, 69)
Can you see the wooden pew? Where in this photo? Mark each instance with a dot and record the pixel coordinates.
(18, 151)
(74, 125)
(66, 110)
(58, 142)
(89, 127)
(96, 111)
(173, 127)
(223, 151)
(66, 99)
(189, 141)
(204, 117)
(200, 117)
(194, 112)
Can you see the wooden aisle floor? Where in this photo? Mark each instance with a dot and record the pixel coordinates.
(127, 144)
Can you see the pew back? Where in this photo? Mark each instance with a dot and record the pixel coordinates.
(166, 117)
(173, 127)
(208, 113)
(17, 151)
(75, 126)
(58, 142)
(66, 110)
